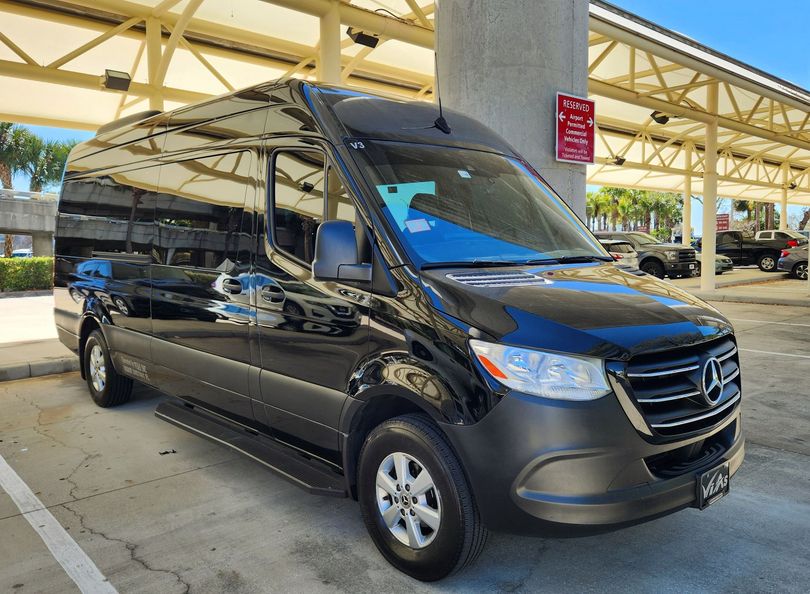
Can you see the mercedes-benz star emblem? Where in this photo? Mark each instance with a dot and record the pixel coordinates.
(712, 381)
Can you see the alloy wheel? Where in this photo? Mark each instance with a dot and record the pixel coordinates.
(98, 368)
(408, 500)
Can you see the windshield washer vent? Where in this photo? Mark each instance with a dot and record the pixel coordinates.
(498, 279)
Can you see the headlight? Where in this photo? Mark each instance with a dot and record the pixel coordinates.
(543, 374)
(672, 256)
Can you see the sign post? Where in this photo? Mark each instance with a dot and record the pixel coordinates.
(575, 121)
(723, 221)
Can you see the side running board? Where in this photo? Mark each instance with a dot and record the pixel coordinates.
(311, 475)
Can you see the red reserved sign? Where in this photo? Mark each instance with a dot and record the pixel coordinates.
(723, 222)
(575, 129)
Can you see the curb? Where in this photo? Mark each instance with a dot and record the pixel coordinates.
(12, 294)
(38, 368)
(758, 299)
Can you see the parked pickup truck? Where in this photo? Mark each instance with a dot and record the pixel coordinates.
(793, 238)
(659, 259)
(745, 249)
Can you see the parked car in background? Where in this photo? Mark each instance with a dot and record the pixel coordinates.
(622, 251)
(23, 253)
(745, 250)
(794, 262)
(721, 264)
(793, 238)
(655, 258)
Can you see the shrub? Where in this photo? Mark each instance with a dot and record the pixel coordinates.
(26, 274)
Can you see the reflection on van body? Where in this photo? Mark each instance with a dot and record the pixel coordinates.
(375, 307)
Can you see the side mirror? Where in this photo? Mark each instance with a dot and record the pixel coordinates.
(336, 254)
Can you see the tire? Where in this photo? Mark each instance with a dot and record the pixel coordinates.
(459, 537)
(800, 271)
(106, 386)
(653, 267)
(697, 270)
(767, 263)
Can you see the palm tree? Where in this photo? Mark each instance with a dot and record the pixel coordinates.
(12, 139)
(43, 161)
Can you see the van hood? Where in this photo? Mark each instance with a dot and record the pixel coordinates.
(599, 310)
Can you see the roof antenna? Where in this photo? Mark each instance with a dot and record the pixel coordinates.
(439, 122)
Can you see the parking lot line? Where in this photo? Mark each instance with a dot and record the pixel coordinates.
(769, 322)
(64, 549)
(775, 353)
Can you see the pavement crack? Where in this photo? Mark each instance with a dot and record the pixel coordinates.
(131, 547)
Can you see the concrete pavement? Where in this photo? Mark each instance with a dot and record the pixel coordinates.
(205, 520)
(28, 343)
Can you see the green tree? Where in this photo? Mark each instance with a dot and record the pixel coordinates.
(43, 161)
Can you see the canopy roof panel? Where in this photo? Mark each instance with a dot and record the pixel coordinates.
(53, 55)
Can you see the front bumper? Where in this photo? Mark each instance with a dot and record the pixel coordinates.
(680, 268)
(574, 468)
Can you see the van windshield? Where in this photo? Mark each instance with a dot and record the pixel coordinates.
(451, 205)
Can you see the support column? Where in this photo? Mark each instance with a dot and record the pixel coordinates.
(42, 244)
(154, 51)
(329, 51)
(686, 225)
(783, 212)
(709, 194)
(504, 67)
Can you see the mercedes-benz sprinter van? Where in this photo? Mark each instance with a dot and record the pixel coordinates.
(380, 303)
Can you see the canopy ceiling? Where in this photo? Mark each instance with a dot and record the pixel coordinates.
(53, 55)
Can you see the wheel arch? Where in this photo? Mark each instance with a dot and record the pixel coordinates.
(88, 324)
(360, 417)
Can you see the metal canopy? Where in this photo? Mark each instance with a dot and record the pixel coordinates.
(53, 55)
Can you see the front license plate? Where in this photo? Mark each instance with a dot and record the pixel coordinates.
(712, 485)
(691, 267)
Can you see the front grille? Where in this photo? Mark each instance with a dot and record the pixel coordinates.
(668, 387)
(686, 256)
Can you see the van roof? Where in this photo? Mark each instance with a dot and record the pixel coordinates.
(340, 112)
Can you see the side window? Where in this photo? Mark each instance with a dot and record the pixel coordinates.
(306, 192)
(200, 215)
(111, 213)
(339, 204)
(298, 202)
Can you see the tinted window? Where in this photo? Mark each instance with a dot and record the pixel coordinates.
(201, 220)
(620, 248)
(111, 213)
(298, 201)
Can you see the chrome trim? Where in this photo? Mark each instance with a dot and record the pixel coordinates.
(668, 398)
(705, 415)
(731, 376)
(725, 356)
(667, 372)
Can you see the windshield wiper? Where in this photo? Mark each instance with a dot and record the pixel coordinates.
(470, 264)
(570, 260)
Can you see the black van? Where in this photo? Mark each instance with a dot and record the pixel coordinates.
(381, 304)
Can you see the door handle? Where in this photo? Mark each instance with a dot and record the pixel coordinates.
(272, 294)
(232, 286)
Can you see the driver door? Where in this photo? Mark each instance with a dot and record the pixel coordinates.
(311, 335)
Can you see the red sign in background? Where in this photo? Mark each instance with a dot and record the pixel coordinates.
(723, 222)
(575, 129)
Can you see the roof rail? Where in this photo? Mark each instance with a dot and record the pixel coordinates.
(125, 121)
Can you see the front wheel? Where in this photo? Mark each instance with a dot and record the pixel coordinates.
(800, 271)
(697, 270)
(767, 263)
(415, 500)
(107, 387)
(654, 268)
